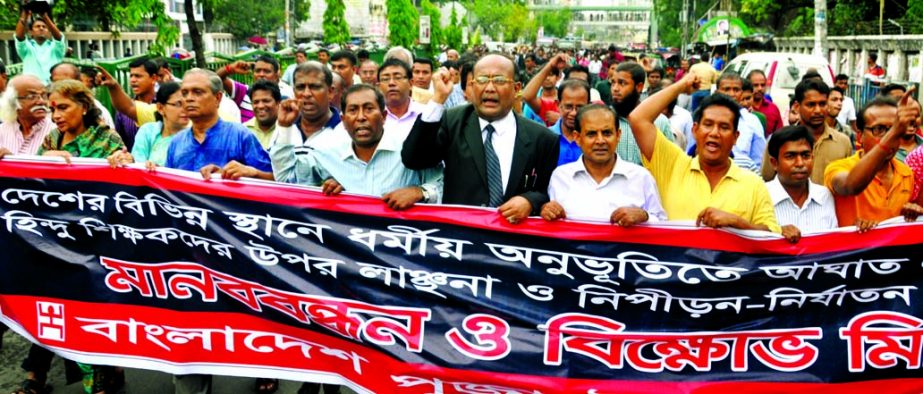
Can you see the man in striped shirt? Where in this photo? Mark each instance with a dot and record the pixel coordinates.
(800, 205)
(24, 111)
(370, 162)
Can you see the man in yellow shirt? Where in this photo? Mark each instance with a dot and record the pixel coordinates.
(873, 185)
(709, 187)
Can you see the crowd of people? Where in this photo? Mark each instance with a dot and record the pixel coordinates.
(558, 134)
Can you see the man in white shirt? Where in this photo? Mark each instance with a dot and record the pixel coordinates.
(800, 205)
(599, 186)
(24, 112)
(847, 116)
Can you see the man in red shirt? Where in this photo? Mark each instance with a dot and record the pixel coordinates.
(761, 104)
(546, 104)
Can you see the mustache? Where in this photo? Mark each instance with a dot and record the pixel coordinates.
(39, 108)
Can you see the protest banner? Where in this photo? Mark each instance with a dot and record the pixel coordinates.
(163, 270)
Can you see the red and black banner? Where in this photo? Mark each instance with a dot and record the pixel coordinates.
(166, 271)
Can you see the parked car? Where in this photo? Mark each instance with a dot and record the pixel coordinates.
(783, 72)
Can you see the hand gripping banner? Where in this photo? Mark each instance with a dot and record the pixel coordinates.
(166, 271)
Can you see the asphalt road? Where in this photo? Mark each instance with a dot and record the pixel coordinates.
(138, 381)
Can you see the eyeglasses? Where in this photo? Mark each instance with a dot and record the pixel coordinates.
(498, 80)
(395, 78)
(34, 96)
(567, 108)
(878, 131)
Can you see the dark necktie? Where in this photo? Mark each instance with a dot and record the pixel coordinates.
(494, 176)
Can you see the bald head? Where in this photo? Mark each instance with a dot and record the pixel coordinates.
(64, 70)
(493, 98)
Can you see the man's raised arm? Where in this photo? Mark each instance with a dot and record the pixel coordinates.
(857, 179)
(642, 118)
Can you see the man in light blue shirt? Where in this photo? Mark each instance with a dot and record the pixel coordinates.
(39, 53)
(212, 145)
(369, 163)
(751, 142)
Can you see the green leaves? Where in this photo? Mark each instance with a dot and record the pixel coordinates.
(453, 32)
(403, 23)
(336, 30)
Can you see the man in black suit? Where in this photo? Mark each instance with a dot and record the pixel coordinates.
(492, 156)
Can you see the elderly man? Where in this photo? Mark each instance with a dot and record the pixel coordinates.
(24, 112)
(38, 53)
(370, 162)
(264, 68)
(872, 185)
(368, 72)
(210, 146)
(305, 122)
(800, 205)
(492, 156)
(598, 186)
(810, 103)
(709, 187)
(213, 145)
(265, 97)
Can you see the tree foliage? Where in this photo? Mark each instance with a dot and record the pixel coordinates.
(453, 32)
(403, 23)
(244, 18)
(795, 17)
(556, 23)
(436, 32)
(336, 30)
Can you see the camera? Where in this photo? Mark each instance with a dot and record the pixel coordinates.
(38, 7)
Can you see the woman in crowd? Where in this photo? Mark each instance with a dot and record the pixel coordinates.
(154, 138)
(77, 132)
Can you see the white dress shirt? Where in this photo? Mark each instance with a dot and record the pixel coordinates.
(629, 185)
(504, 138)
(848, 112)
(818, 212)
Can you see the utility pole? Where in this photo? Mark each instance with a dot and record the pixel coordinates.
(288, 26)
(820, 28)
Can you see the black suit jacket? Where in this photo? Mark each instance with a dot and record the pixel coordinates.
(456, 141)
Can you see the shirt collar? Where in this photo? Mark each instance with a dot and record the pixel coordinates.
(777, 192)
(502, 125)
(385, 144)
(413, 110)
(618, 168)
(734, 172)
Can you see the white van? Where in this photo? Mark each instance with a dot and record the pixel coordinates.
(783, 72)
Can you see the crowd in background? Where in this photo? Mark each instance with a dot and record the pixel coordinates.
(591, 135)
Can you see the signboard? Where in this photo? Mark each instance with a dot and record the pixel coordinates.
(424, 29)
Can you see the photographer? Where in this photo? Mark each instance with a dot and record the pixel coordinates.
(38, 53)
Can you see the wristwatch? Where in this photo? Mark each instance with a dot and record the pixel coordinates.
(425, 194)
